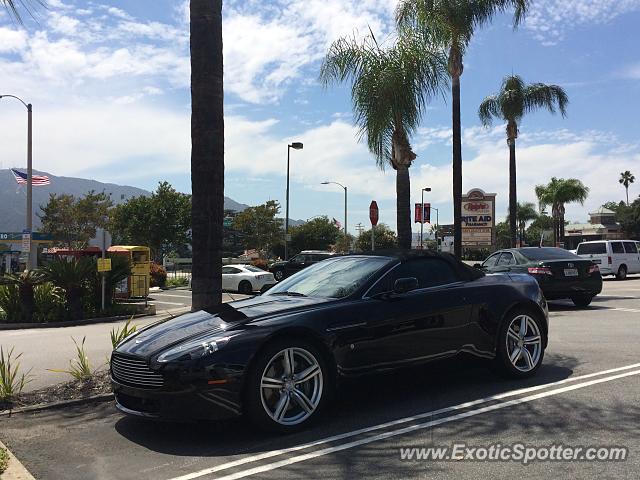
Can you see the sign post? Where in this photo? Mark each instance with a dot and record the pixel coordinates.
(26, 243)
(104, 264)
(374, 214)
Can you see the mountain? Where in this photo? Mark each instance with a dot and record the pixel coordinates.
(13, 197)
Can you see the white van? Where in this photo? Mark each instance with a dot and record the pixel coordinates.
(614, 257)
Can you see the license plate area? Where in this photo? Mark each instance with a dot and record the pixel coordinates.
(597, 261)
(570, 272)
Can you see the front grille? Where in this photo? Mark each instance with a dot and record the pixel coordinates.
(134, 372)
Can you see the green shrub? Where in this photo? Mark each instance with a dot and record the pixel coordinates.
(49, 303)
(177, 282)
(158, 275)
(11, 380)
(4, 460)
(79, 367)
(74, 277)
(10, 303)
(119, 334)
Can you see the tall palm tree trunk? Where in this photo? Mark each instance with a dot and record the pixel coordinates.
(626, 187)
(513, 199)
(457, 166)
(403, 207)
(207, 152)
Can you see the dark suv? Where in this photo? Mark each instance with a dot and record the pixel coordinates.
(305, 258)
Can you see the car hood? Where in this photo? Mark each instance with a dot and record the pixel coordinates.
(230, 316)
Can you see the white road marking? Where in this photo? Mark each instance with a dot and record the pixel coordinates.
(155, 302)
(630, 310)
(621, 297)
(400, 421)
(171, 295)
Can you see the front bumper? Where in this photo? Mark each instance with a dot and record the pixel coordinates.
(188, 403)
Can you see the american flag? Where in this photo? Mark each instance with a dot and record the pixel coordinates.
(36, 180)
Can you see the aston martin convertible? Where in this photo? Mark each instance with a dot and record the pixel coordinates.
(277, 357)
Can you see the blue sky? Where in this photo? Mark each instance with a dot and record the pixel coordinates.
(110, 86)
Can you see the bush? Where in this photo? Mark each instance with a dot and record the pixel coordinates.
(177, 282)
(260, 263)
(49, 303)
(158, 275)
(10, 303)
(119, 334)
(79, 368)
(11, 380)
(4, 460)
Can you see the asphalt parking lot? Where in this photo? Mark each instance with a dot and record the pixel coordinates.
(587, 393)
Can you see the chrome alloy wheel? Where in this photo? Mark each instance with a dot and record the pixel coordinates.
(291, 386)
(524, 343)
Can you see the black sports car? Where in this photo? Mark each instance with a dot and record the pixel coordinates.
(560, 273)
(277, 357)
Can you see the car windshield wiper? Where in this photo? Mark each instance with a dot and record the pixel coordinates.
(291, 294)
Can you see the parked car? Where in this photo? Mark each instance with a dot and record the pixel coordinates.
(560, 273)
(284, 269)
(245, 279)
(278, 357)
(614, 257)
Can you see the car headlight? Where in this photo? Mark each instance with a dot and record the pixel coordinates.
(193, 349)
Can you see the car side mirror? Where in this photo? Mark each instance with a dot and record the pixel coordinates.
(478, 266)
(404, 285)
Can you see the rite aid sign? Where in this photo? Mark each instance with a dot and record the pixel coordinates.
(478, 218)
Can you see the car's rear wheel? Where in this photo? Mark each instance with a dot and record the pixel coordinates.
(278, 275)
(520, 348)
(245, 287)
(287, 386)
(622, 272)
(582, 300)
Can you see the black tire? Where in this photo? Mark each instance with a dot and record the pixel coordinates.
(502, 363)
(622, 272)
(245, 287)
(253, 399)
(278, 275)
(582, 301)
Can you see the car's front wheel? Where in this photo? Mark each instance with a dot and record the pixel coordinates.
(520, 348)
(278, 275)
(287, 386)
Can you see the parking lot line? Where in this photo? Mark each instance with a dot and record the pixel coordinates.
(174, 295)
(421, 426)
(274, 453)
(155, 302)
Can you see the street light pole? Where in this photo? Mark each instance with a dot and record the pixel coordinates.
(31, 262)
(295, 146)
(345, 207)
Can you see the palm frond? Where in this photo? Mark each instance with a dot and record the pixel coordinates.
(539, 95)
(12, 7)
(489, 108)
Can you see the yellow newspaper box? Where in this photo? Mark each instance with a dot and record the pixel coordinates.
(137, 284)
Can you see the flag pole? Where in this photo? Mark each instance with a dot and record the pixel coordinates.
(33, 258)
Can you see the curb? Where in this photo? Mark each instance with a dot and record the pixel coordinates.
(104, 397)
(15, 470)
(73, 323)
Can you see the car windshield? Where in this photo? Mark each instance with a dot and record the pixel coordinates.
(547, 254)
(337, 278)
(592, 248)
(251, 268)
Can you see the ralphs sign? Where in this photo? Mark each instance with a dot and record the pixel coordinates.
(478, 213)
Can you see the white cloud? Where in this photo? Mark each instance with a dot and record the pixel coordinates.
(551, 20)
(12, 40)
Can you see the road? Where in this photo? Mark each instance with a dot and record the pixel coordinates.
(52, 348)
(587, 393)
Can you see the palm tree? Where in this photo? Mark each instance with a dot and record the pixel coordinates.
(390, 86)
(12, 7)
(626, 179)
(514, 100)
(207, 153)
(526, 212)
(556, 194)
(74, 277)
(453, 23)
(25, 282)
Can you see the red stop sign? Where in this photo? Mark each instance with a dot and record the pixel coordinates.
(373, 213)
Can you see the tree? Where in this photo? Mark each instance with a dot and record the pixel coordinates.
(25, 282)
(629, 219)
(452, 23)
(385, 239)
(260, 228)
(557, 193)
(12, 7)
(344, 244)
(207, 153)
(74, 277)
(626, 179)
(74, 221)
(510, 104)
(317, 234)
(160, 221)
(526, 212)
(390, 87)
(536, 229)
